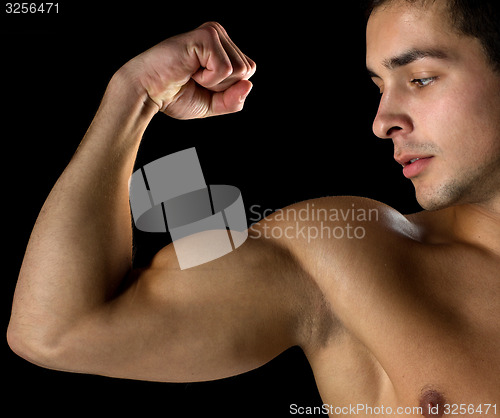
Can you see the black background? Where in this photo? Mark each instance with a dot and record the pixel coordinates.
(305, 132)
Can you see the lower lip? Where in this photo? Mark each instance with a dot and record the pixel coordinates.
(416, 168)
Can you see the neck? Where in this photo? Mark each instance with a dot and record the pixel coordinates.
(478, 225)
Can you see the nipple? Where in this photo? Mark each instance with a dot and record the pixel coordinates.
(432, 404)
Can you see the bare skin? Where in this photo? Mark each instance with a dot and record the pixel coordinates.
(406, 316)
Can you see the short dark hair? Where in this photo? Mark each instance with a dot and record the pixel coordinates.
(476, 18)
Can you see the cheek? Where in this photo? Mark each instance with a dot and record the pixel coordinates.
(464, 124)
(481, 125)
(479, 106)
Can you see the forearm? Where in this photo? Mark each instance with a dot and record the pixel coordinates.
(80, 248)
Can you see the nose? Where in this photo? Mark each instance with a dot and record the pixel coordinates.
(392, 119)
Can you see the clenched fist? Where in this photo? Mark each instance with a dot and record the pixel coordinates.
(194, 75)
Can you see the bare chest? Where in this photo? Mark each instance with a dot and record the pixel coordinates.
(425, 342)
(415, 375)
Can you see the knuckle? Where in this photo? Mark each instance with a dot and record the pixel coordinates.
(240, 68)
(253, 65)
(250, 68)
(243, 67)
(208, 31)
(212, 28)
(212, 23)
(226, 69)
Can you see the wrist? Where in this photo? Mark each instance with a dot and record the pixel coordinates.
(128, 93)
(124, 113)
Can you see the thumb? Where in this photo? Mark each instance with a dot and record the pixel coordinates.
(230, 100)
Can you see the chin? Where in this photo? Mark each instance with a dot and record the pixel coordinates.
(430, 205)
(440, 196)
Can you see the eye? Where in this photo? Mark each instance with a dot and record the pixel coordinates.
(423, 82)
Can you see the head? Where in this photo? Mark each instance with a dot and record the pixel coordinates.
(437, 65)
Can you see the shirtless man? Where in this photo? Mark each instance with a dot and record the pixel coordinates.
(406, 317)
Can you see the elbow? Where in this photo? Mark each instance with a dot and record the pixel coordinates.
(15, 342)
(33, 348)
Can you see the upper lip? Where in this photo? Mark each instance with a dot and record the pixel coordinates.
(405, 159)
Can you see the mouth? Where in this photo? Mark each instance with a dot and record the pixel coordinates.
(413, 160)
(407, 159)
(413, 166)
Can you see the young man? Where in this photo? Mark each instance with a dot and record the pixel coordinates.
(403, 320)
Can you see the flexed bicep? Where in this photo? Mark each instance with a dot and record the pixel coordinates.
(208, 322)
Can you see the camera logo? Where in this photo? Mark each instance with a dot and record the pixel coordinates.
(205, 222)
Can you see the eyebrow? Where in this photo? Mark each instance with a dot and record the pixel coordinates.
(408, 57)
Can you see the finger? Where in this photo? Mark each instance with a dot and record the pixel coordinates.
(241, 67)
(253, 68)
(213, 59)
(239, 61)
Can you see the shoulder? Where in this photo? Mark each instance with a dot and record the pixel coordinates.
(341, 211)
(322, 231)
(352, 249)
(351, 210)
